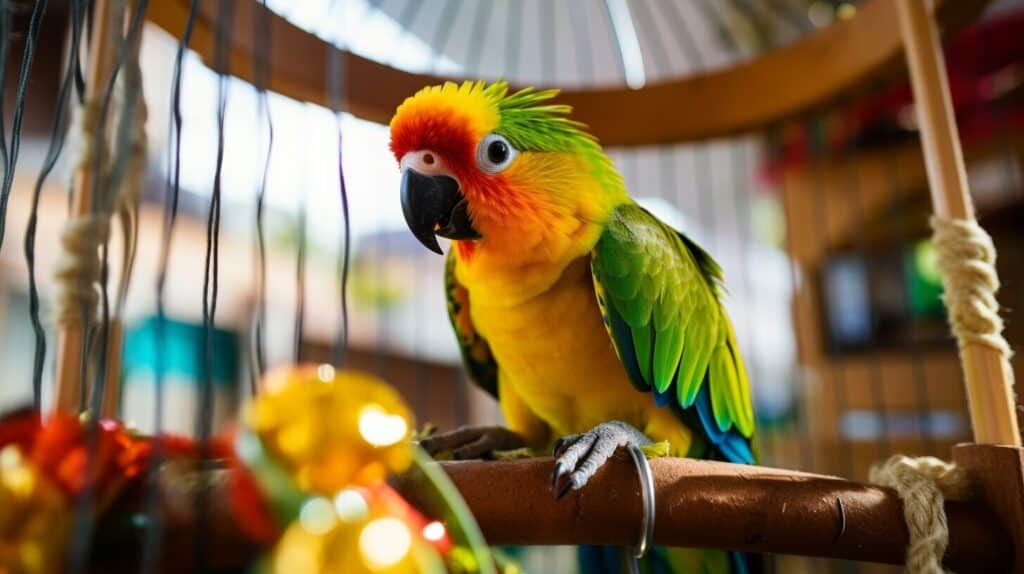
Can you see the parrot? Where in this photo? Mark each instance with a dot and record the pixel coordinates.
(593, 323)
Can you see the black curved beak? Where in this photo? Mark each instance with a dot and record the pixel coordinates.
(433, 205)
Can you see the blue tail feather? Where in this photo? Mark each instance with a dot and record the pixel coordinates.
(730, 443)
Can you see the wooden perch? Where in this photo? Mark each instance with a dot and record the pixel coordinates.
(699, 504)
(717, 505)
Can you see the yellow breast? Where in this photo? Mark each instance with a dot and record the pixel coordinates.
(554, 351)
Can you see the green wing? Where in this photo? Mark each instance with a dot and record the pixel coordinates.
(660, 295)
(476, 352)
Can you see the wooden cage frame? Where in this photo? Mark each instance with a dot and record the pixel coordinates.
(700, 503)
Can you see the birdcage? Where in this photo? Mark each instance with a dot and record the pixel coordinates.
(806, 145)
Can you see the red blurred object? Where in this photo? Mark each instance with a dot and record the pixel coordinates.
(254, 517)
(61, 448)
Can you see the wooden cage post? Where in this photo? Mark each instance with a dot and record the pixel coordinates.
(996, 461)
(71, 337)
(987, 373)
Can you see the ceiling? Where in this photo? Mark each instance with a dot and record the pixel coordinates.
(578, 43)
(567, 43)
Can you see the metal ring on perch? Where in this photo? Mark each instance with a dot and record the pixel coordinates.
(648, 509)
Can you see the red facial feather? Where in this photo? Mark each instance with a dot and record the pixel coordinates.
(443, 132)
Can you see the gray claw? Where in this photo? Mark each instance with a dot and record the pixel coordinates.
(582, 455)
(564, 489)
(558, 446)
(557, 473)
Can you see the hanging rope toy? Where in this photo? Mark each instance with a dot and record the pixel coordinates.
(923, 484)
(119, 189)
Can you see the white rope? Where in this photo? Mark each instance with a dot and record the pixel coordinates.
(966, 259)
(78, 271)
(923, 484)
(118, 190)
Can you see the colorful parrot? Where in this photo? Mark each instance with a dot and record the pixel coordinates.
(592, 322)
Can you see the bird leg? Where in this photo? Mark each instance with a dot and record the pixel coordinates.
(472, 442)
(580, 455)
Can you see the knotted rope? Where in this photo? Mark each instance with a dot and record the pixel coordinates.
(78, 270)
(118, 190)
(966, 259)
(923, 484)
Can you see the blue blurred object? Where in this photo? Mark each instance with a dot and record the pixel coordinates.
(176, 352)
(182, 353)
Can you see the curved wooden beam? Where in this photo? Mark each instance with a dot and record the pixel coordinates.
(751, 95)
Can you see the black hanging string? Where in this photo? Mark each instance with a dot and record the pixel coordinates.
(83, 520)
(300, 279)
(341, 341)
(56, 145)
(11, 158)
(261, 68)
(100, 202)
(79, 74)
(88, 34)
(212, 256)
(5, 40)
(153, 537)
(211, 279)
(335, 77)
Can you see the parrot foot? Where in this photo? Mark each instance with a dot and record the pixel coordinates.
(472, 442)
(581, 455)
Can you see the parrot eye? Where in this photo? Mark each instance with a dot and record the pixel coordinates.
(495, 154)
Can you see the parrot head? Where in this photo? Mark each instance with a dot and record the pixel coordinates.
(500, 171)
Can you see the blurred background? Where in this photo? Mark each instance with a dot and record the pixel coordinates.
(820, 222)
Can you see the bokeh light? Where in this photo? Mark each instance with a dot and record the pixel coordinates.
(384, 543)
